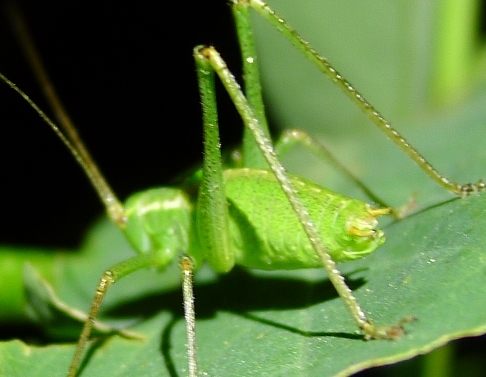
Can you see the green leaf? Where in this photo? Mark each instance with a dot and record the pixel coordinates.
(252, 323)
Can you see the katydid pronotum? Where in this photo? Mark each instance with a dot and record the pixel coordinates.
(253, 118)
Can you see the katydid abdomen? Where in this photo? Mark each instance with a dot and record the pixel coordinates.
(267, 235)
(264, 231)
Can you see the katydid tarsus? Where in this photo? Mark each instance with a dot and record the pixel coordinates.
(215, 230)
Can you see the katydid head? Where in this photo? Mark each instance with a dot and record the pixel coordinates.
(159, 220)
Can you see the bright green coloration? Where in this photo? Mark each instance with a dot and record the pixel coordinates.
(346, 226)
(160, 222)
(207, 60)
(264, 232)
(456, 57)
(148, 231)
(325, 67)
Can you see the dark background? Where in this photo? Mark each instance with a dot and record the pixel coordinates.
(127, 78)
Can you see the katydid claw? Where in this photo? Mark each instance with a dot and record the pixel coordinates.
(372, 331)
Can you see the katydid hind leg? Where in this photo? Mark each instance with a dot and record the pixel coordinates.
(370, 330)
(259, 133)
(369, 110)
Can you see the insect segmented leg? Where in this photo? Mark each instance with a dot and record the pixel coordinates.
(374, 115)
(187, 268)
(207, 58)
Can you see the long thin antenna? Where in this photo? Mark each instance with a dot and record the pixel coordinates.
(66, 131)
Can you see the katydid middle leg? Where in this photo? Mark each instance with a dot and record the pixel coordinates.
(291, 138)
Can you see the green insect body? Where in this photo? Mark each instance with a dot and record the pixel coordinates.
(264, 232)
(267, 235)
(158, 221)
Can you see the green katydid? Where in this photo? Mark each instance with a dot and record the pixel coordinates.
(209, 60)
